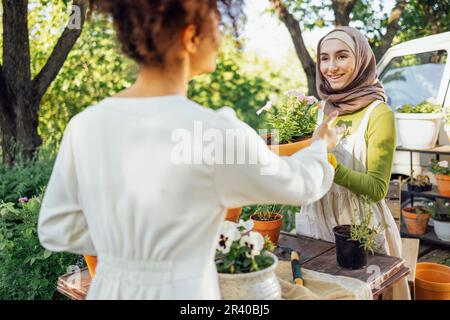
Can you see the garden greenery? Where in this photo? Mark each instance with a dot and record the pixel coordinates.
(27, 270)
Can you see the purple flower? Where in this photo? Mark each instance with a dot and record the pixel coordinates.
(295, 93)
(23, 200)
(312, 100)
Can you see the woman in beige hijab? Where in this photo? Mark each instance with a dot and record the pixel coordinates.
(347, 82)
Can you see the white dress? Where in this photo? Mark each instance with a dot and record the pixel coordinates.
(120, 191)
(337, 207)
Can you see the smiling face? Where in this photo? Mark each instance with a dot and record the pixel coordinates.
(337, 63)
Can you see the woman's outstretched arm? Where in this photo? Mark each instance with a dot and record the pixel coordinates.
(300, 179)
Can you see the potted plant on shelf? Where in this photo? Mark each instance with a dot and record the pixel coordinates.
(416, 219)
(294, 121)
(442, 174)
(425, 118)
(355, 241)
(268, 220)
(420, 184)
(440, 213)
(245, 264)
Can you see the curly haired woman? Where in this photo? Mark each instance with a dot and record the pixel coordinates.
(119, 190)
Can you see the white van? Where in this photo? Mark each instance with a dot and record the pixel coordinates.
(412, 72)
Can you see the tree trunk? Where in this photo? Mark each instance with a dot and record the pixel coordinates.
(20, 95)
(7, 134)
(393, 27)
(294, 29)
(342, 10)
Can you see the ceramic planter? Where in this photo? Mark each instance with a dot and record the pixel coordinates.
(233, 214)
(443, 182)
(91, 262)
(289, 149)
(418, 130)
(432, 281)
(416, 223)
(349, 253)
(259, 285)
(442, 229)
(269, 228)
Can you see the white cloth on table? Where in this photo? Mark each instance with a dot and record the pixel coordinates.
(320, 286)
(118, 191)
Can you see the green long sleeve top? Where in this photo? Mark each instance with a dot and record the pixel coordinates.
(380, 139)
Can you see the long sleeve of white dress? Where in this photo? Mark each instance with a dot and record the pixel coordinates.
(266, 178)
(62, 225)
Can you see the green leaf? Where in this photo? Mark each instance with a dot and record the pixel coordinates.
(47, 254)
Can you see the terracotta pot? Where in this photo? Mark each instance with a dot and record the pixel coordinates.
(91, 262)
(289, 149)
(432, 281)
(270, 228)
(258, 285)
(416, 223)
(233, 214)
(443, 182)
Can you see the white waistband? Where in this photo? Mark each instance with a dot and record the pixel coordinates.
(148, 272)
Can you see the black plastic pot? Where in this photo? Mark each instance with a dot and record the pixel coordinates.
(348, 252)
(413, 187)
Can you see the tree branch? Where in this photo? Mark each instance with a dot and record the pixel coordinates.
(295, 31)
(342, 10)
(392, 28)
(62, 48)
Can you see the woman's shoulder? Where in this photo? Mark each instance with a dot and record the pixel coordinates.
(383, 110)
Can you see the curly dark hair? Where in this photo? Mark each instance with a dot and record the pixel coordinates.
(147, 29)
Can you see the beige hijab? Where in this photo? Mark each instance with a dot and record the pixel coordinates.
(364, 86)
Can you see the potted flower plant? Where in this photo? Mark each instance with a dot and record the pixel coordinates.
(425, 118)
(416, 219)
(294, 121)
(268, 220)
(355, 241)
(440, 213)
(245, 264)
(442, 174)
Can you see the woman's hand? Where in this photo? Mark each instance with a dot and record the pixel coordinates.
(332, 136)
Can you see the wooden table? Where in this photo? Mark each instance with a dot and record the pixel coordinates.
(316, 255)
(320, 256)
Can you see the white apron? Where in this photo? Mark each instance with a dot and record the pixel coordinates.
(318, 219)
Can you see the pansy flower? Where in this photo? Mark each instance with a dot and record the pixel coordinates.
(254, 241)
(228, 234)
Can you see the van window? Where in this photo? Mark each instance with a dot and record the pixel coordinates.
(414, 78)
